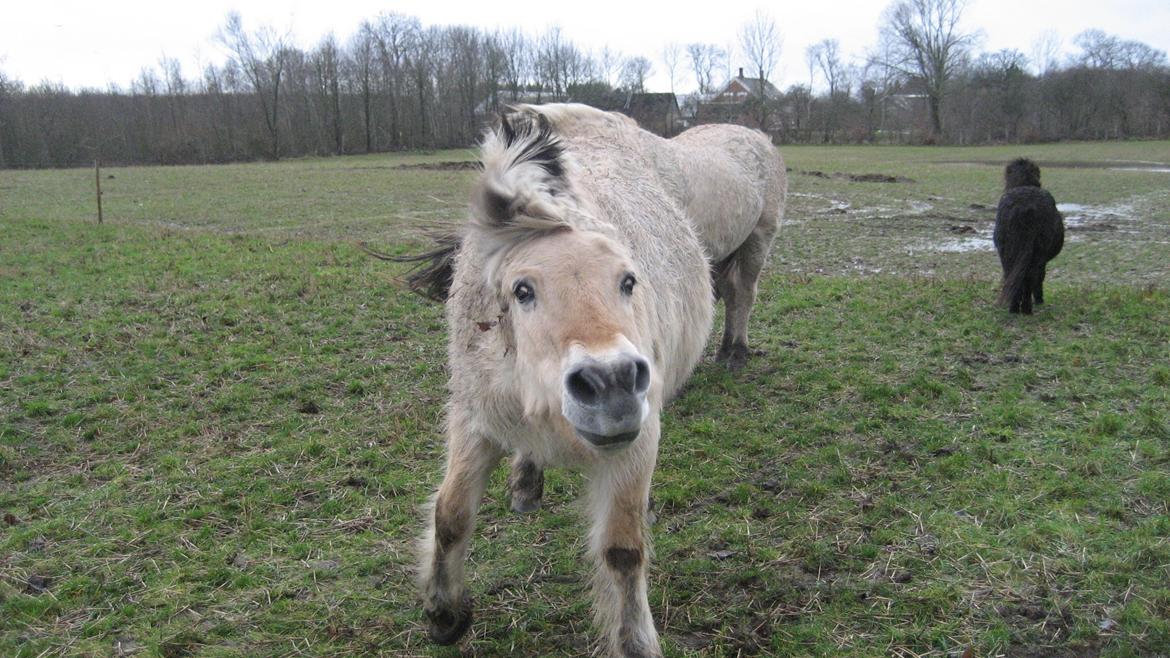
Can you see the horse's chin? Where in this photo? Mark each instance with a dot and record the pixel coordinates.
(612, 442)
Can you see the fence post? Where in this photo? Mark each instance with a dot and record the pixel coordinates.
(97, 179)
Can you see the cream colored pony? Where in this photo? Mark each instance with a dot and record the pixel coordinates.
(731, 185)
(580, 301)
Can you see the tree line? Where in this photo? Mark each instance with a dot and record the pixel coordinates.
(397, 84)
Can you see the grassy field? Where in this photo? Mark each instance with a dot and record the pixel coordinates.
(219, 418)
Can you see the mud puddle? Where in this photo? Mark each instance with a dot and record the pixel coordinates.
(1084, 217)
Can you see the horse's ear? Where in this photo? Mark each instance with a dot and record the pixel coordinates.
(496, 205)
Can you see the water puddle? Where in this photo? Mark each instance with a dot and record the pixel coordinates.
(955, 245)
(1084, 217)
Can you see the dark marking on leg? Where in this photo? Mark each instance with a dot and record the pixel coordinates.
(623, 560)
(450, 528)
(527, 486)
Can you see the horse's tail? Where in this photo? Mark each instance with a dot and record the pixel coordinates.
(1021, 255)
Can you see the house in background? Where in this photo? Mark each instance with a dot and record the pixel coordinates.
(738, 102)
(740, 89)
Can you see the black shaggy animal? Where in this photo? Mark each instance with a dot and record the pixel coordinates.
(1029, 232)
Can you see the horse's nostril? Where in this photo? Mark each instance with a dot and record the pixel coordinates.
(585, 385)
(641, 376)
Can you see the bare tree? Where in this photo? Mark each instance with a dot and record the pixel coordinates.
(609, 65)
(262, 57)
(1046, 51)
(927, 43)
(877, 82)
(551, 53)
(7, 88)
(761, 41)
(1105, 51)
(326, 64)
(1000, 77)
(825, 57)
(394, 36)
(671, 54)
(706, 60)
(361, 62)
(517, 55)
(635, 72)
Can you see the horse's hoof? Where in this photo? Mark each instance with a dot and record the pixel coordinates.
(631, 649)
(733, 361)
(525, 505)
(445, 627)
(733, 358)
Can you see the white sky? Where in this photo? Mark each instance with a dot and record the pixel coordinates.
(88, 43)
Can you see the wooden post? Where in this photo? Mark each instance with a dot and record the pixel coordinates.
(97, 179)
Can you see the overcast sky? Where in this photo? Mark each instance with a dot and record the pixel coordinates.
(83, 43)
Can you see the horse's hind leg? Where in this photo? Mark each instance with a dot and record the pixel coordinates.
(736, 282)
(526, 484)
(470, 461)
(1038, 285)
(620, 549)
(526, 487)
(1025, 293)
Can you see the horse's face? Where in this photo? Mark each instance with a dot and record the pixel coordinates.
(572, 300)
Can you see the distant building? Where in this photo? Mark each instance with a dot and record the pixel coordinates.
(740, 89)
(738, 102)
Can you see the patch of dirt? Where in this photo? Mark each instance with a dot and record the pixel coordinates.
(858, 178)
(1093, 227)
(990, 359)
(458, 165)
(37, 584)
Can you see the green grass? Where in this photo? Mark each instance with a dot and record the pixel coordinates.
(219, 418)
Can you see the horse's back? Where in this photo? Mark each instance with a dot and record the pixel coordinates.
(733, 183)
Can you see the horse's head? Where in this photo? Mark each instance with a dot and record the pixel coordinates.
(1021, 172)
(571, 310)
(569, 295)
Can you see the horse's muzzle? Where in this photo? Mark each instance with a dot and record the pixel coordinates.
(605, 401)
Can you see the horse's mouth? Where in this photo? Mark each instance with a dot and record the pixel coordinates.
(610, 442)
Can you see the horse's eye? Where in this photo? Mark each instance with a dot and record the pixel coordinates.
(523, 291)
(628, 285)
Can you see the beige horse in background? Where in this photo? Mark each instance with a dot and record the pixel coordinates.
(579, 302)
(731, 185)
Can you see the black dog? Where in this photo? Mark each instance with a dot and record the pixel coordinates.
(1029, 232)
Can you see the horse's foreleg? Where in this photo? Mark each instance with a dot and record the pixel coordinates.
(470, 460)
(526, 484)
(621, 550)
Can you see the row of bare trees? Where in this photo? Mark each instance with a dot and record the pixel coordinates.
(925, 82)
(397, 84)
